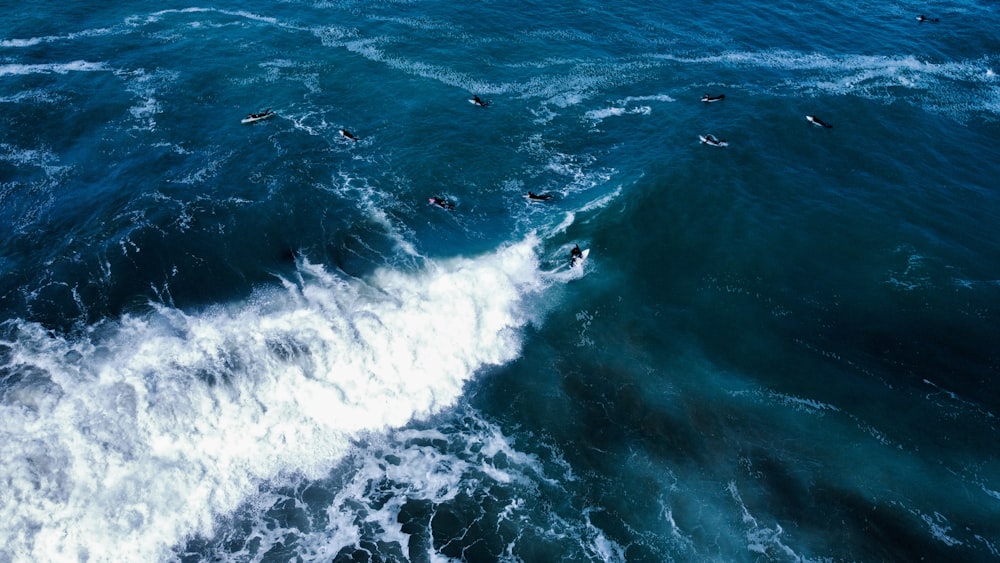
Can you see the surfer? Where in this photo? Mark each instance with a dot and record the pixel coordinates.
(347, 134)
(709, 98)
(441, 202)
(818, 122)
(264, 113)
(539, 197)
(711, 140)
(922, 18)
(575, 254)
(479, 102)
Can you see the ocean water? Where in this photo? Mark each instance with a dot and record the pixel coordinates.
(259, 342)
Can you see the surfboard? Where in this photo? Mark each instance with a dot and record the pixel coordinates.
(578, 260)
(255, 119)
(712, 141)
(709, 99)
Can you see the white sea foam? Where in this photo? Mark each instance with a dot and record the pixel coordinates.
(956, 88)
(574, 172)
(602, 200)
(567, 83)
(48, 68)
(33, 96)
(119, 445)
(41, 158)
(567, 219)
(915, 276)
(145, 87)
(796, 403)
(31, 193)
(599, 115)
(206, 172)
(31, 42)
(939, 528)
(799, 403)
(370, 48)
(650, 98)
(430, 467)
(760, 539)
(599, 545)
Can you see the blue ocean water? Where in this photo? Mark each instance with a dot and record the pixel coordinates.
(259, 342)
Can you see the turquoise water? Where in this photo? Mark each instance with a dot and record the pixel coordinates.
(259, 342)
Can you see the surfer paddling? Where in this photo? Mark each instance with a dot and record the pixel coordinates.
(348, 135)
(922, 18)
(708, 98)
(441, 202)
(479, 101)
(818, 122)
(255, 117)
(539, 197)
(711, 140)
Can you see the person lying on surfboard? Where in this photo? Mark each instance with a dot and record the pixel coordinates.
(818, 122)
(441, 202)
(540, 197)
(479, 102)
(576, 256)
(348, 135)
(264, 113)
(711, 140)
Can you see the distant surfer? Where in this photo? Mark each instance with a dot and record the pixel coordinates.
(575, 254)
(711, 140)
(441, 202)
(479, 101)
(922, 18)
(260, 115)
(818, 122)
(539, 197)
(255, 117)
(707, 98)
(348, 135)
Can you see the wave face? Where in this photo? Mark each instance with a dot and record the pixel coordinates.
(260, 342)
